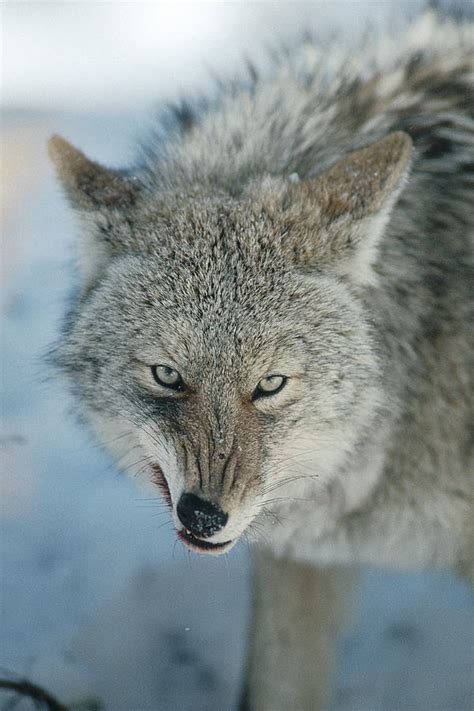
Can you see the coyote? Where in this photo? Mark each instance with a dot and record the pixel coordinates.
(276, 313)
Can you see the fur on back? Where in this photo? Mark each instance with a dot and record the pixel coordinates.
(321, 101)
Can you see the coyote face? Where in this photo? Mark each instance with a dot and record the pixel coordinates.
(220, 347)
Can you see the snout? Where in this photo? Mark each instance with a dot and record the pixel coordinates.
(201, 520)
(200, 517)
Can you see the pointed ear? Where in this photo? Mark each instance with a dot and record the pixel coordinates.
(88, 185)
(103, 198)
(351, 205)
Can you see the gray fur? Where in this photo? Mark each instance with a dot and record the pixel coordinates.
(354, 280)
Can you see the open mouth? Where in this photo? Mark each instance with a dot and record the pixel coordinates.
(200, 546)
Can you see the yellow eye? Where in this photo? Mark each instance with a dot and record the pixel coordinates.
(167, 377)
(270, 385)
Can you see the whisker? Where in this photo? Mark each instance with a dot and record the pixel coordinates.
(287, 480)
(286, 499)
(269, 512)
(165, 523)
(100, 444)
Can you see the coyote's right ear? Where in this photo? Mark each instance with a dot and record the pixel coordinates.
(103, 198)
(88, 185)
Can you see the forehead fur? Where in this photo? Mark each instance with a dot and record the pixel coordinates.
(217, 252)
(214, 283)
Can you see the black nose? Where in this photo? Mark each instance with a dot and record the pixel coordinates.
(200, 517)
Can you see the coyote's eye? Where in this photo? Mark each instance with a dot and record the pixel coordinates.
(270, 385)
(167, 377)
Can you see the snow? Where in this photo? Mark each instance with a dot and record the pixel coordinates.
(97, 597)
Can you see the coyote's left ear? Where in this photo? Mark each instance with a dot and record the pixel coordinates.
(103, 198)
(352, 203)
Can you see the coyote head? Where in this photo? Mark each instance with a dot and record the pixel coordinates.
(221, 340)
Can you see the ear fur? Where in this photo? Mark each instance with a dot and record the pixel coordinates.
(365, 181)
(350, 205)
(88, 185)
(103, 198)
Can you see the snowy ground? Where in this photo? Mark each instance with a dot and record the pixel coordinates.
(97, 598)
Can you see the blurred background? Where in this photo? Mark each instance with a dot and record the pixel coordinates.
(98, 602)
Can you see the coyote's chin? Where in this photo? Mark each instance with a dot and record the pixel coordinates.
(198, 545)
